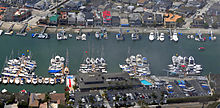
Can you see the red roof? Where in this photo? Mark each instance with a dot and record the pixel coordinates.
(106, 13)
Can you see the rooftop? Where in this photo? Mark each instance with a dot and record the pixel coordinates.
(171, 17)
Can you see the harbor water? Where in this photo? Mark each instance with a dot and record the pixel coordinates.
(114, 52)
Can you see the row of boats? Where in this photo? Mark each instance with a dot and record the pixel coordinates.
(31, 80)
(184, 66)
(199, 37)
(92, 65)
(21, 70)
(102, 35)
(56, 66)
(136, 66)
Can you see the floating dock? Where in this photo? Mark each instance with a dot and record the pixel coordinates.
(22, 32)
(10, 31)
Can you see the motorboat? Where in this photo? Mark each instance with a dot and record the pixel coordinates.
(34, 80)
(21, 81)
(151, 36)
(28, 80)
(17, 80)
(162, 37)
(70, 35)
(11, 80)
(46, 80)
(61, 35)
(175, 37)
(5, 80)
(134, 36)
(40, 80)
(201, 48)
(97, 35)
(87, 60)
(119, 36)
(52, 81)
(83, 37)
(191, 61)
(1, 31)
(0, 78)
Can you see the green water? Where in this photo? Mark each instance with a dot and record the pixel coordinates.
(115, 52)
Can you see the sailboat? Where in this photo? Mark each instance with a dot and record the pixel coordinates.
(66, 69)
(151, 36)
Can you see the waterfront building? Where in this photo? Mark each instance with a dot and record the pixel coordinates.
(92, 81)
(159, 19)
(97, 18)
(198, 22)
(63, 19)
(148, 19)
(170, 20)
(106, 18)
(54, 20)
(71, 18)
(15, 14)
(115, 21)
(80, 19)
(135, 19)
(89, 19)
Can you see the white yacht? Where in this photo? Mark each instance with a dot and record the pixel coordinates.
(162, 37)
(83, 37)
(21, 81)
(151, 36)
(11, 80)
(17, 80)
(34, 80)
(40, 80)
(28, 80)
(52, 81)
(46, 80)
(97, 35)
(191, 61)
(61, 35)
(1, 31)
(175, 37)
(5, 80)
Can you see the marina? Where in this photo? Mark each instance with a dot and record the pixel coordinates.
(93, 65)
(136, 66)
(184, 66)
(158, 53)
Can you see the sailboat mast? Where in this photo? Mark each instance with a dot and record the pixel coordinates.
(67, 57)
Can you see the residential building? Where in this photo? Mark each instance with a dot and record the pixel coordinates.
(58, 98)
(139, 10)
(141, 2)
(196, 3)
(124, 20)
(159, 19)
(106, 18)
(170, 20)
(214, 10)
(35, 99)
(81, 19)
(71, 18)
(63, 20)
(21, 97)
(89, 18)
(14, 14)
(54, 20)
(115, 21)
(186, 11)
(135, 19)
(148, 19)
(198, 22)
(97, 18)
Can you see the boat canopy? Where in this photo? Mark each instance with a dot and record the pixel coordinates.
(54, 71)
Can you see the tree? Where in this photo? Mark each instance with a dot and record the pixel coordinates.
(214, 25)
(1, 105)
(22, 104)
(206, 25)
